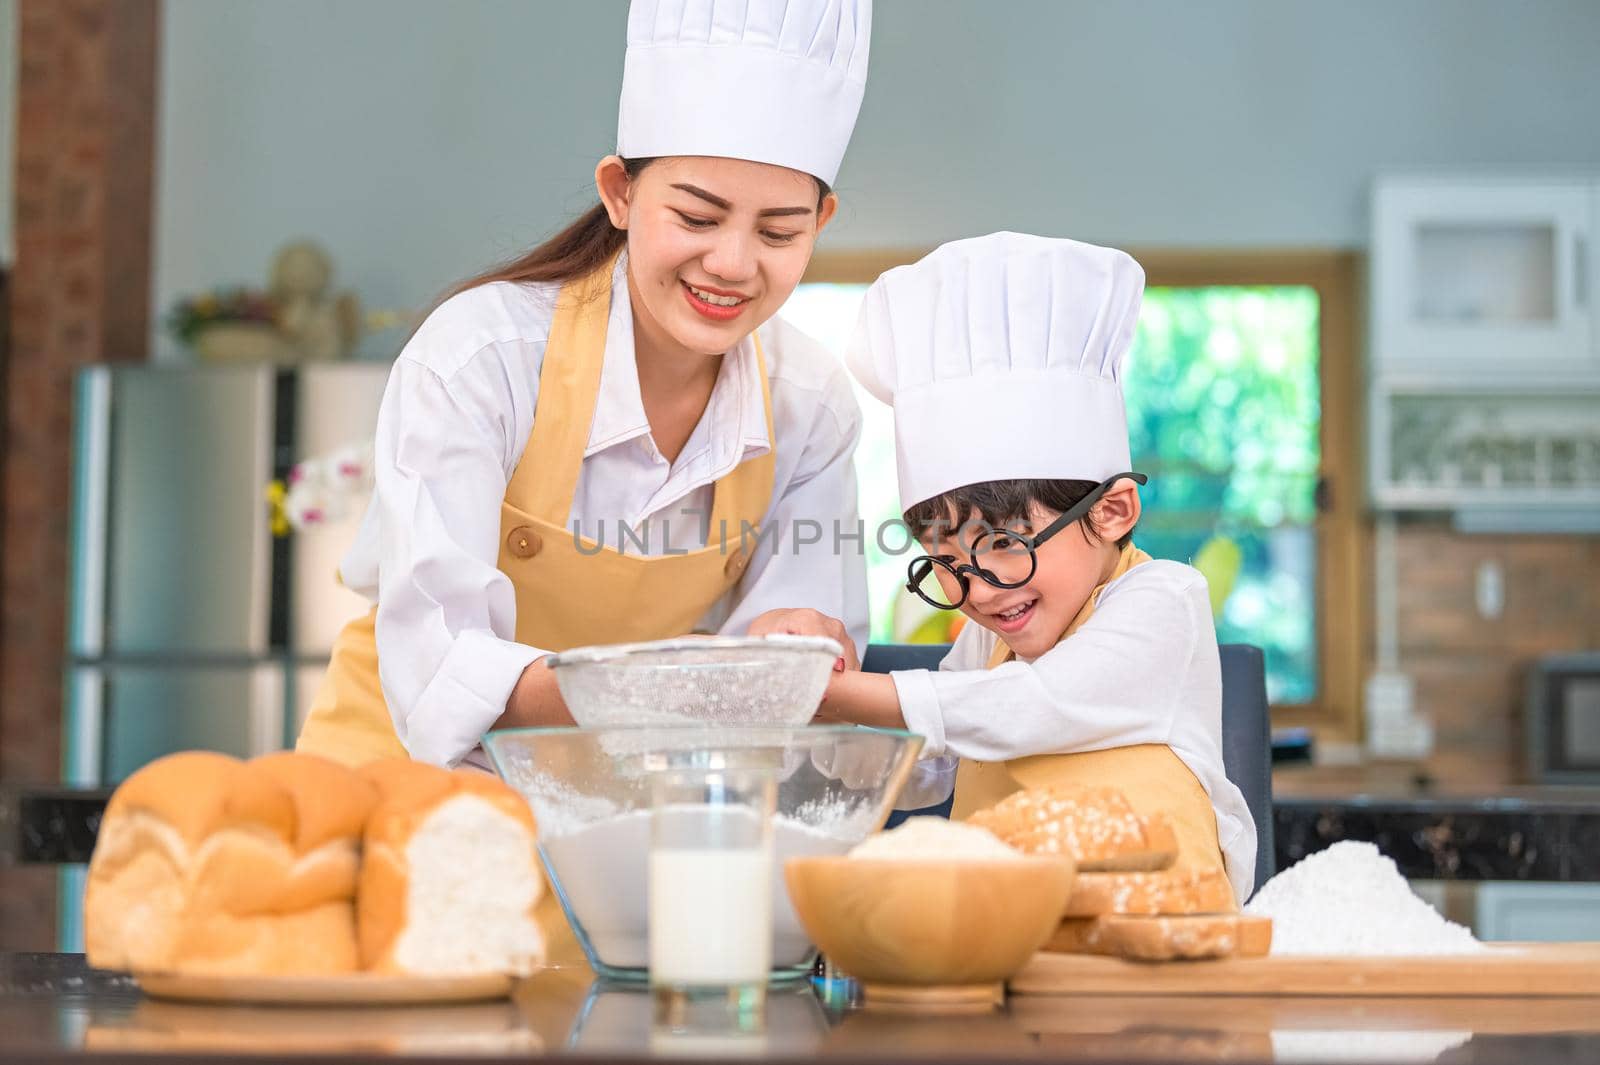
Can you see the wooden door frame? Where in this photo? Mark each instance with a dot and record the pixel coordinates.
(1344, 531)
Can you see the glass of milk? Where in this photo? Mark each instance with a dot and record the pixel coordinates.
(711, 893)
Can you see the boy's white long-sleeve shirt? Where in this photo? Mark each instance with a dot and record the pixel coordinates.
(1143, 669)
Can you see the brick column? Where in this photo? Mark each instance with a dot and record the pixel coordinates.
(80, 294)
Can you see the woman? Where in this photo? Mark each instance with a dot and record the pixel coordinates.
(563, 441)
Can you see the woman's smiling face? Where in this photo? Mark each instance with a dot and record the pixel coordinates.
(715, 246)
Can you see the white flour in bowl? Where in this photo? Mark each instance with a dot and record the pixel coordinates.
(1350, 899)
(933, 838)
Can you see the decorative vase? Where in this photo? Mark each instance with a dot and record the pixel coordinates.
(242, 342)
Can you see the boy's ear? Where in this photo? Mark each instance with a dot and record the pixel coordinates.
(825, 212)
(1118, 510)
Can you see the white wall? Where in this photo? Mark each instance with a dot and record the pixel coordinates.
(421, 139)
(8, 125)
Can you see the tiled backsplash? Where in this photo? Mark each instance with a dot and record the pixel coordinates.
(1469, 669)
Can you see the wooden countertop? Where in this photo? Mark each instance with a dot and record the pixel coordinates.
(52, 1007)
(1403, 781)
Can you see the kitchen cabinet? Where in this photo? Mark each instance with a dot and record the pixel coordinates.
(1484, 351)
(1484, 278)
(1468, 446)
(1538, 912)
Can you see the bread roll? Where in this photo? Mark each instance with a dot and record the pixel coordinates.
(450, 875)
(1097, 827)
(208, 864)
(275, 890)
(318, 941)
(138, 884)
(289, 837)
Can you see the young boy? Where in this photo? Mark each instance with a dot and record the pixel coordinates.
(1084, 660)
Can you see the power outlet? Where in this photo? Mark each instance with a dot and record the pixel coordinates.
(1391, 697)
(1411, 741)
(1489, 589)
(1394, 728)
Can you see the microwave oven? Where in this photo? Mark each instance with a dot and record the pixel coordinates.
(1562, 719)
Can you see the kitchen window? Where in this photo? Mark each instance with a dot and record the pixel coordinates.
(1240, 391)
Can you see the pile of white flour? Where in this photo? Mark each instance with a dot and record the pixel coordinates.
(1350, 899)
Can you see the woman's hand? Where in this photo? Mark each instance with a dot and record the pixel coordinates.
(802, 621)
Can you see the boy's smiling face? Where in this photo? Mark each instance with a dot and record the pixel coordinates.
(1070, 565)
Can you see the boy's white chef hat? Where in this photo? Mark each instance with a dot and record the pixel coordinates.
(774, 81)
(1002, 357)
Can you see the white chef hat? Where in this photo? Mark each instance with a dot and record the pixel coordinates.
(774, 81)
(1002, 356)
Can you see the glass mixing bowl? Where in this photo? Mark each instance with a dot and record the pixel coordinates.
(590, 790)
(704, 680)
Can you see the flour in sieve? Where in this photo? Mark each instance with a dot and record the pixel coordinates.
(1351, 900)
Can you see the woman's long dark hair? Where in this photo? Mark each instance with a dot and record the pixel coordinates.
(578, 250)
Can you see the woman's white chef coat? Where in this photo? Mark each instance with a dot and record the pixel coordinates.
(1143, 669)
(455, 417)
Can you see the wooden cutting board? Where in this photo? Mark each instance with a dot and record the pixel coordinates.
(1510, 969)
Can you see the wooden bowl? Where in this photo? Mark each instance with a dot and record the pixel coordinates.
(938, 932)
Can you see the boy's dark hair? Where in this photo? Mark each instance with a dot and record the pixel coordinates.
(999, 504)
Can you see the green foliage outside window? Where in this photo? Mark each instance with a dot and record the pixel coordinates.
(1224, 413)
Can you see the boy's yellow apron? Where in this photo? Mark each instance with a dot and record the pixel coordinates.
(566, 596)
(1153, 778)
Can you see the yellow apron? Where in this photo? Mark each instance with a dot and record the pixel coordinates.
(567, 595)
(1153, 778)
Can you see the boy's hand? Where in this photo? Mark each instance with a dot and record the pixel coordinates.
(802, 621)
(857, 698)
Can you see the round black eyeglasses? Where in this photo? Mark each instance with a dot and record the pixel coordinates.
(1007, 557)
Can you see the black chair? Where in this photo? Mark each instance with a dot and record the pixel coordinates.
(888, 657)
(1247, 742)
(1246, 729)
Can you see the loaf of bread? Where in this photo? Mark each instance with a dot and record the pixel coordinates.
(137, 891)
(292, 864)
(450, 876)
(1164, 938)
(1173, 891)
(208, 864)
(1096, 827)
